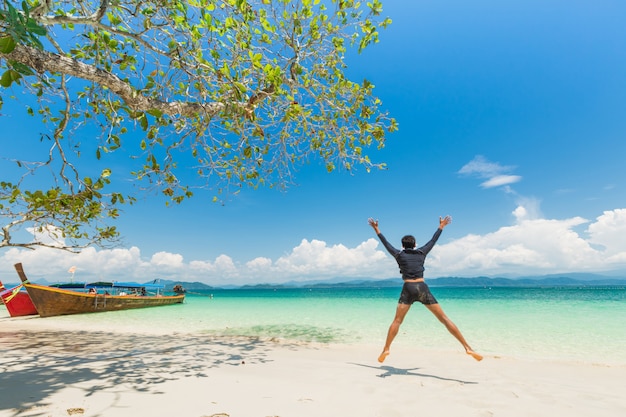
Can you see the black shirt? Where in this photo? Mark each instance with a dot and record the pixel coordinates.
(411, 261)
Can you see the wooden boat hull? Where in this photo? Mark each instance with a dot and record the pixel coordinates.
(51, 302)
(57, 302)
(18, 304)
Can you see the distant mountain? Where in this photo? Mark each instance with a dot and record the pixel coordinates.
(578, 276)
(537, 281)
(380, 283)
(365, 283)
(554, 280)
(189, 286)
(544, 281)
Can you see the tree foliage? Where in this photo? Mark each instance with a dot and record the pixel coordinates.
(241, 92)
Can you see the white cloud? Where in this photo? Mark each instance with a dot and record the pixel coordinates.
(532, 245)
(609, 231)
(482, 168)
(493, 172)
(224, 263)
(500, 180)
(48, 235)
(527, 209)
(167, 260)
(259, 264)
(315, 259)
(537, 246)
(223, 267)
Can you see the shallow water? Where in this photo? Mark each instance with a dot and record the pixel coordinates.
(585, 324)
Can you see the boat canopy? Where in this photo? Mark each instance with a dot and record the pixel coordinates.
(68, 285)
(118, 284)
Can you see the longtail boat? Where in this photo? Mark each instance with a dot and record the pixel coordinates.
(97, 297)
(17, 302)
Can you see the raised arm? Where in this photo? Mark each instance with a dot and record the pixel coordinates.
(443, 222)
(390, 248)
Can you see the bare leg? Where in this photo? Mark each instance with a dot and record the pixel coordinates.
(441, 316)
(401, 311)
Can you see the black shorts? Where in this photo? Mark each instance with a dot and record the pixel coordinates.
(416, 291)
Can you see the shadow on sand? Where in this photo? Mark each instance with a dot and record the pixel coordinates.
(35, 365)
(391, 371)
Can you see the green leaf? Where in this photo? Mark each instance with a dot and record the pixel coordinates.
(9, 77)
(155, 112)
(22, 69)
(6, 79)
(7, 44)
(34, 28)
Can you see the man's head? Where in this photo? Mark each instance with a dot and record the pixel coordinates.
(408, 242)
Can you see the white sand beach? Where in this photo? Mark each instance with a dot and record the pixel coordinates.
(47, 371)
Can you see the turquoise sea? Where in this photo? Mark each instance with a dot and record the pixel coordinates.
(568, 323)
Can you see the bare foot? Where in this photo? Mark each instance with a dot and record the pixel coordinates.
(475, 355)
(382, 356)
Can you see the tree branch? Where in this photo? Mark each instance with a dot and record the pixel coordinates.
(43, 61)
(40, 13)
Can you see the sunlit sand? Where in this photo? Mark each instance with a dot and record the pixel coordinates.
(125, 374)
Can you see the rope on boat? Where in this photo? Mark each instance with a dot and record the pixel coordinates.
(14, 292)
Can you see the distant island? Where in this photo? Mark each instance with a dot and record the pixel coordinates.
(557, 280)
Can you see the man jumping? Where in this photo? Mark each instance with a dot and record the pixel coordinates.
(411, 263)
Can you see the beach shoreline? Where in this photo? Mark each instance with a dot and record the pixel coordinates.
(47, 371)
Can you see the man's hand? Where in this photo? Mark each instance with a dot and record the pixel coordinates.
(374, 224)
(444, 222)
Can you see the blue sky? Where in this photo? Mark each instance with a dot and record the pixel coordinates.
(512, 120)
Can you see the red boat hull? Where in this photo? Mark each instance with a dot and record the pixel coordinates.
(19, 304)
